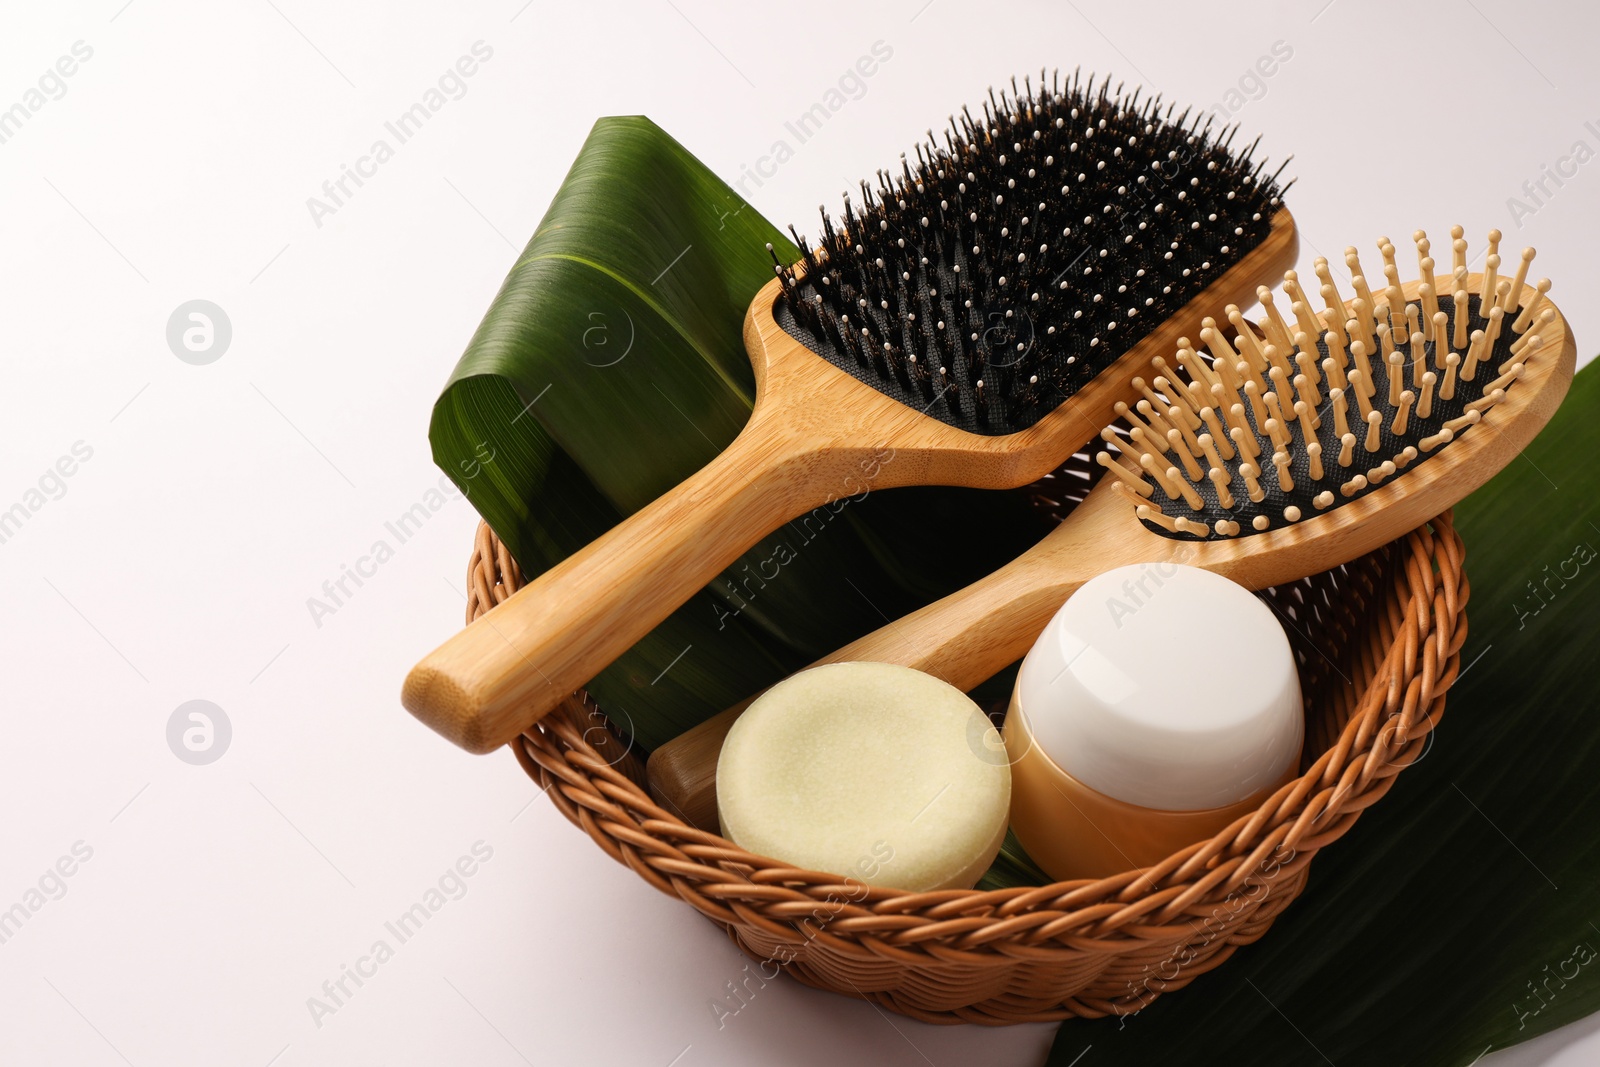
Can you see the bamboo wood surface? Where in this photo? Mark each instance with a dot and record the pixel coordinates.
(970, 635)
(816, 434)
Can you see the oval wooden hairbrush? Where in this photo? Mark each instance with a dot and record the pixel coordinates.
(1411, 410)
(975, 320)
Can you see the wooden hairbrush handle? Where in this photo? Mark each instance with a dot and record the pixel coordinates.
(963, 639)
(816, 435)
(507, 669)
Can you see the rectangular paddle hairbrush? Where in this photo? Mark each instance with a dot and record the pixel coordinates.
(975, 319)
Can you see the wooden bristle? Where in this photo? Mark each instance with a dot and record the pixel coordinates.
(1523, 319)
(1514, 294)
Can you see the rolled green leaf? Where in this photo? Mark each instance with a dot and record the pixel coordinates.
(1462, 912)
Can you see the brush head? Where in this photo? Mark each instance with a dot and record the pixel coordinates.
(1280, 422)
(989, 280)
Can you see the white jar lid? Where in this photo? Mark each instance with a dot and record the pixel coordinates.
(1165, 686)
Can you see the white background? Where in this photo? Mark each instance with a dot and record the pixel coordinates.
(218, 498)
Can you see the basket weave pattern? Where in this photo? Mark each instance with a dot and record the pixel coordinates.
(1378, 644)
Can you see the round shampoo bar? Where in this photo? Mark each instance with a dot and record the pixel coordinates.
(874, 772)
(1159, 705)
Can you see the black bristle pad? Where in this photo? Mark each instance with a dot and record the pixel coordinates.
(1048, 236)
(1275, 500)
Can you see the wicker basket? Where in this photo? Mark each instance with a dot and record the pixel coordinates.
(1378, 643)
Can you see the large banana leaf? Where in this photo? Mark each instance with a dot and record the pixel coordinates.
(610, 367)
(1462, 913)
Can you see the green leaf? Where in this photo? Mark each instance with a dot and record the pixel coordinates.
(610, 366)
(1462, 913)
